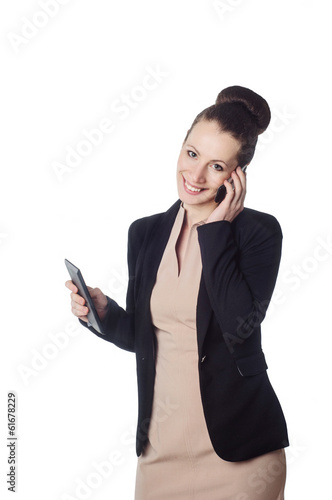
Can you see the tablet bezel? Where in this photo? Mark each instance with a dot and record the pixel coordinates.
(77, 279)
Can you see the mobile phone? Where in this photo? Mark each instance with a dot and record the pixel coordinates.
(77, 279)
(221, 193)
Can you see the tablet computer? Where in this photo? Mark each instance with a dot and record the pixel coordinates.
(77, 279)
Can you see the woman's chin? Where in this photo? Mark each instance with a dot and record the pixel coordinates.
(198, 201)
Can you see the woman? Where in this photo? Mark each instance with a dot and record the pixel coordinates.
(201, 276)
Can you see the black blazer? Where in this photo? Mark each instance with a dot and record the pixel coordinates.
(240, 262)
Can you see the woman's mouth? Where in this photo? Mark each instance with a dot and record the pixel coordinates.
(189, 188)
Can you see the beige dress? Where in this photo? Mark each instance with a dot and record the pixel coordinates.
(179, 462)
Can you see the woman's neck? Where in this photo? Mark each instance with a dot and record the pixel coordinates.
(196, 213)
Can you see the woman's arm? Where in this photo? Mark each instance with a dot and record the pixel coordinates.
(240, 262)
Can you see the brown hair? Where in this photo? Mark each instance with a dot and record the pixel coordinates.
(243, 114)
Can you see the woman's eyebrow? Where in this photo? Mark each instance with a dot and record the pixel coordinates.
(191, 146)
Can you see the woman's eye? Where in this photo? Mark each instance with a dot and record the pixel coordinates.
(215, 166)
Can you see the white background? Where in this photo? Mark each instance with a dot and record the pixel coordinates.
(63, 73)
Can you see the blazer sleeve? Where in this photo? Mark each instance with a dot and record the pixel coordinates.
(240, 263)
(118, 325)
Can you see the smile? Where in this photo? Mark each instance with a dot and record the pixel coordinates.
(192, 189)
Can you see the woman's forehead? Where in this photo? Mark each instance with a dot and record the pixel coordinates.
(207, 138)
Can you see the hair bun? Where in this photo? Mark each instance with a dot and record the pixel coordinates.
(254, 103)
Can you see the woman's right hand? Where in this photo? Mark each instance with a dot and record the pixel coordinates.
(78, 307)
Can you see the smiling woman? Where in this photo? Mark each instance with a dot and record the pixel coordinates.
(199, 174)
(201, 276)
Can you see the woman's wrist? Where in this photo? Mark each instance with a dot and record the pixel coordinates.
(214, 219)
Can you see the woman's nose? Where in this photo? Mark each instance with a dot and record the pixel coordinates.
(198, 173)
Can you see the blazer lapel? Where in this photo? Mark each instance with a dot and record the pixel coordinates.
(203, 315)
(154, 248)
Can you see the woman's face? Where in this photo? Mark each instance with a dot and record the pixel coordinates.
(206, 159)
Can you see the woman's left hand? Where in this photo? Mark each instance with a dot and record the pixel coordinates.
(233, 203)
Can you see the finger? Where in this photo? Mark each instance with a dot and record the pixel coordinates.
(242, 176)
(238, 188)
(229, 190)
(80, 316)
(96, 293)
(79, 310)
(243, 179)
(78, 299)
(93, 291)
(69, 284)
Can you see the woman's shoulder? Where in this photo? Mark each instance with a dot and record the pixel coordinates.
(146, 223)
(255, 216)
(256, 223)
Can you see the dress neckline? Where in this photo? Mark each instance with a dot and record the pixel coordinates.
(183, 210)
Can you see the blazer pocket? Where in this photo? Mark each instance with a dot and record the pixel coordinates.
(251, 365)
